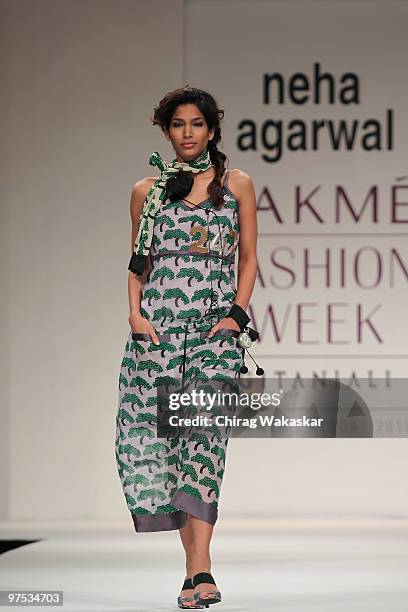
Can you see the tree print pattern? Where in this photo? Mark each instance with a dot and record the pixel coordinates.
(179, 285)
(163, 479)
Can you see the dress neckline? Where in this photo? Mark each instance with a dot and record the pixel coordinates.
(198, 204)
(183, 202)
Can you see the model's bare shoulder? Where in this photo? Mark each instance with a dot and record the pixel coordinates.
(240, 183)
(139, 192)
(141, 188)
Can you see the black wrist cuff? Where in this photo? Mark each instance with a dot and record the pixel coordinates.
(239, 315)
(137, 264)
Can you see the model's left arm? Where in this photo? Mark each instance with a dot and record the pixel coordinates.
(248, 232)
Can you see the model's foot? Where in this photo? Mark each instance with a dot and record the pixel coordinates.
(188, 593)
(206, 589)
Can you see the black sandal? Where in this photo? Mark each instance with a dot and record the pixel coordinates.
(213, 596)
(188, 584)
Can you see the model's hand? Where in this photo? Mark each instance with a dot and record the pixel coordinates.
(140, 325)
(227, 323)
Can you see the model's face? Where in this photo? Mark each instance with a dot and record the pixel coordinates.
(188, 126)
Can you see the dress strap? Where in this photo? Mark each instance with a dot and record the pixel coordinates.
(226, 176)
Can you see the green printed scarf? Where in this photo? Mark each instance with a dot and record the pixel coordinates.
(151, 205)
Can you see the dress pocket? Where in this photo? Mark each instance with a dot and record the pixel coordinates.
(144, 336)
(141, 336)
(227, 331)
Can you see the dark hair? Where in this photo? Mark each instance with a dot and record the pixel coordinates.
(164, 112)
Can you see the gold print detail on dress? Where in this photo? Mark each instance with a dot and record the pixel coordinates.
(233, 234)
(198, 245)
(216, 244)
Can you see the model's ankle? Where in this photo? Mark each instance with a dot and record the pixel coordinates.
(201, 565)
(199, 560)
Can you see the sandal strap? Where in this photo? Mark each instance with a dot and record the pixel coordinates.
(188, 584)
(203, 577)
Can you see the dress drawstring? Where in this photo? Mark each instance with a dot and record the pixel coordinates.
(184, 355)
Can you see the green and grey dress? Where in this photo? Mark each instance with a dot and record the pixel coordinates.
(162, 478)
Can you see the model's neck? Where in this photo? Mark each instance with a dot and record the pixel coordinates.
(189, 161)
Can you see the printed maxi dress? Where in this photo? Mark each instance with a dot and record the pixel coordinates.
(162, 478)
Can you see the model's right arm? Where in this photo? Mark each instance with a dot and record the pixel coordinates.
(135, 283)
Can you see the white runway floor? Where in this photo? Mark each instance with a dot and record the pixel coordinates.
(308, 566)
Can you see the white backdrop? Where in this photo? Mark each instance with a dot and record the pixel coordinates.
(352, 266)
(82, 80)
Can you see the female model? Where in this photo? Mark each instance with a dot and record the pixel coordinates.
(183, 250)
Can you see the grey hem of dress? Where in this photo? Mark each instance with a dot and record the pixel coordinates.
(159, 522)
(196, 507)
(175, 520)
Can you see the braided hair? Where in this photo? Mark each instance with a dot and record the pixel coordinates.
(164, 112)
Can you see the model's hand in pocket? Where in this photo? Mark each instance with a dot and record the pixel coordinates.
(140, 325)
(226, 323)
